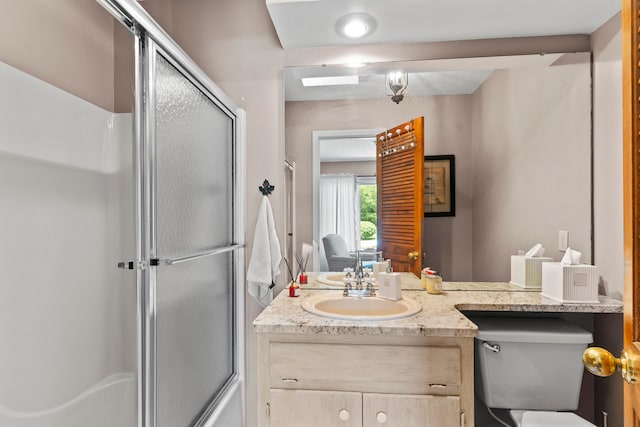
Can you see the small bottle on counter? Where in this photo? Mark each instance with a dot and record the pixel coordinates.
(423, 275)
(294, 289)
(303, 278)
(433, 282)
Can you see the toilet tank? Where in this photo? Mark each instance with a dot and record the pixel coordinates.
(529, 363)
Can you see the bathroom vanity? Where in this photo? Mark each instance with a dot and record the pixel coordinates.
(413, 371)
(354, 380)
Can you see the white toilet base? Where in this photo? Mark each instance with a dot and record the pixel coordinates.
(525, 418)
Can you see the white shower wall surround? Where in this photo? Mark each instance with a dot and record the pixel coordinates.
(109, 403)
(67, 316)
(42, 122)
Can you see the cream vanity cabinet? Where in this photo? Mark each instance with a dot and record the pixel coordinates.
(317, 380)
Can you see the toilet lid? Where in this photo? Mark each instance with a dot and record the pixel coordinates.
(553, 419)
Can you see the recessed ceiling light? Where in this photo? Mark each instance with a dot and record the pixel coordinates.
(355, 64)
(355, 25)
(355, 28)
(330, 81)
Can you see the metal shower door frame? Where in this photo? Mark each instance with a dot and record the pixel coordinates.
(150, 40)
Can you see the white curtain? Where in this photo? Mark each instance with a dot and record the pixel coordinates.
(340, 208)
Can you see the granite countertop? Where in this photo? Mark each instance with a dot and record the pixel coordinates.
(440, 316)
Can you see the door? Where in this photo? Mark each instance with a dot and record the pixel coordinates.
(405, 410)
(400, 171)
(312, 408)
(597, 360)
(191, 278)
(631, 170)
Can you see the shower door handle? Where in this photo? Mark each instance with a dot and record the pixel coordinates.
(132, 265)
(213, 251)
(126, 265)
(141, 265)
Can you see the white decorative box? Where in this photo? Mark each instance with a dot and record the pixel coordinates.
(570, 283)
(526, 272)
(389, 286)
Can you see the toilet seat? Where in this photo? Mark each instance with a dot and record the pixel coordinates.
(549, 419)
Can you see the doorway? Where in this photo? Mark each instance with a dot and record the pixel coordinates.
(336, 151)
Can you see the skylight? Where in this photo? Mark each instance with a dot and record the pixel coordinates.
(330, 81)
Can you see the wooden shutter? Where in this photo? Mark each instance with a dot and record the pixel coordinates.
(400, 170)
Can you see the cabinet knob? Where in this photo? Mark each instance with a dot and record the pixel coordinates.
(344, 415)
(381, 417)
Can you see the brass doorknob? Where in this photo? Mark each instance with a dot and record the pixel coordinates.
(413, 256)
(602, 363)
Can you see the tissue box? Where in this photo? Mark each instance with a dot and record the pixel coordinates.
(527, 272)
(570, 283)
(389, 286)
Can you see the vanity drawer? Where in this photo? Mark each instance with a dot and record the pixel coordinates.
(365, 368)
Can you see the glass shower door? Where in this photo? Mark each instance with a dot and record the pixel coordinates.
(192, 251)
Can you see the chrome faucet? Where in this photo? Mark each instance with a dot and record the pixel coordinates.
(360, 276)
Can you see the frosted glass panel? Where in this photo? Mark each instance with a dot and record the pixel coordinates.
(194, 167)
(194, 336)
(193, 211)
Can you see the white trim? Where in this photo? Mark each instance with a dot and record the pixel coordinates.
(317, 136)
(240, 234)
(290, 208)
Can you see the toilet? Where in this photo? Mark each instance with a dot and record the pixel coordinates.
(532, 367)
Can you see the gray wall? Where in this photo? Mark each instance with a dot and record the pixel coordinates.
(608, 217)
(531, 160)
(67, 43)
(607, 141)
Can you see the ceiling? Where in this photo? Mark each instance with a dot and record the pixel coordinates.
(460, 76)
(311, 23)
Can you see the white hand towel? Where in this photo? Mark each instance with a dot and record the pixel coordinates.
(265, 256)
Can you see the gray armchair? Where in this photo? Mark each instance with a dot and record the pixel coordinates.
(338, 257)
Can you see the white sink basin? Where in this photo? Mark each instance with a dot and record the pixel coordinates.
(337, 306)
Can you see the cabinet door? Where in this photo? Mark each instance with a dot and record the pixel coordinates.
(310, 408)
(394, 410)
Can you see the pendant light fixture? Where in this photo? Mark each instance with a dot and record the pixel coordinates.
(397, 81)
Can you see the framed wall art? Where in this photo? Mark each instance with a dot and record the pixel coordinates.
(439, 185)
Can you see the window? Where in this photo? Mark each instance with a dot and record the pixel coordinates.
(368, 194)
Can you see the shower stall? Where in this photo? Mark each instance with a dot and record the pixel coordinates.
(121, 244)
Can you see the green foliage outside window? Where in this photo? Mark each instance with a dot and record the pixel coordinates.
(367, 230)
(368, 212)
(368, 204)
